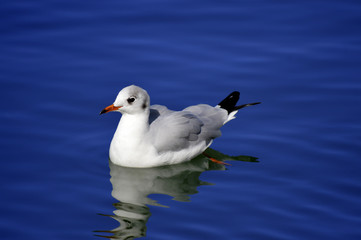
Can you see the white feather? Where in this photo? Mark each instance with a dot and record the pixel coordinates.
(149, 136)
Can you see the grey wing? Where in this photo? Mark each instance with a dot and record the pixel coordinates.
(173, 131)
(213, 119)
(157, 111)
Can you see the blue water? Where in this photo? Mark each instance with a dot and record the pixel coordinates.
(64, 61)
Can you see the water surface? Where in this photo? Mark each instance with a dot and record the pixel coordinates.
(64, 61)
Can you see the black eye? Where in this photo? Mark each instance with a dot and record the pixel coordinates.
(131, 99)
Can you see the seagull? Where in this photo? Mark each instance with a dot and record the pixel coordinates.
(152, 135)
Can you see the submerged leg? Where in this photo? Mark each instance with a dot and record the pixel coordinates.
(215, 160)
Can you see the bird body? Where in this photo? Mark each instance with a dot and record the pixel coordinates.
(150, 136)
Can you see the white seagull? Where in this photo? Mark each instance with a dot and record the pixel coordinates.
(151, 136)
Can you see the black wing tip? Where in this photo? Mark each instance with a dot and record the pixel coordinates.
(255, 103)
(233, 94)
(229, 103)
(246, 105)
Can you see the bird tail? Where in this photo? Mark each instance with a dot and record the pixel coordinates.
(229, 104)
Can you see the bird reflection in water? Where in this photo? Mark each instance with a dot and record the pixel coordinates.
(132, 187)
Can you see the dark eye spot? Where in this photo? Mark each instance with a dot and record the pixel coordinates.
(131, 99)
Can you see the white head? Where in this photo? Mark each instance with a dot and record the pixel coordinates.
(130, 100)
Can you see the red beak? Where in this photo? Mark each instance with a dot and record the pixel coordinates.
(109, 109)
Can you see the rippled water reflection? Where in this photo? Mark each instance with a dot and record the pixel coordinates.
(133, 188)
(63, 61)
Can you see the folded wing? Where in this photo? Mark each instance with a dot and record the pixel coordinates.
(177, 130)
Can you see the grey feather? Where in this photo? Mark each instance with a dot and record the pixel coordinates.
(173, 131)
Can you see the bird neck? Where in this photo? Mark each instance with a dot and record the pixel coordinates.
(133, 125)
